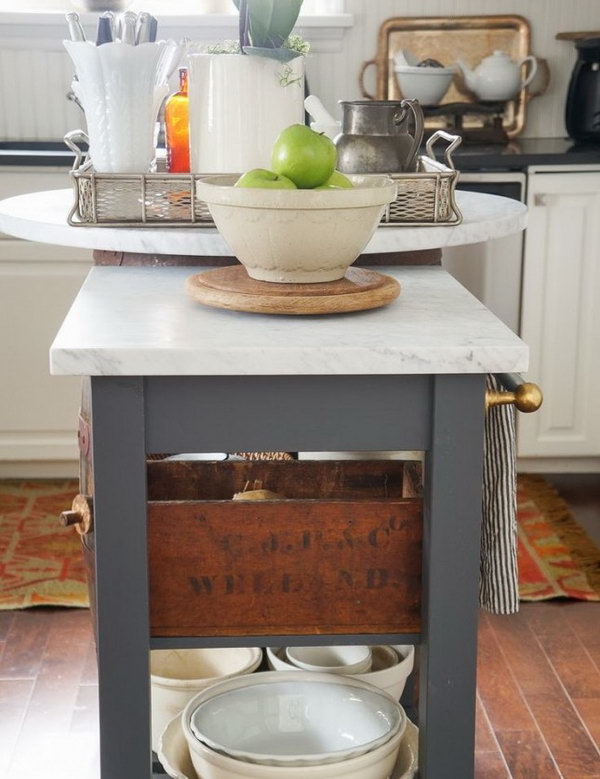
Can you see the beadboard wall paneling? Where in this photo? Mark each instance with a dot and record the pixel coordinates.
(334, 76)
(36, 74)
(33, 85)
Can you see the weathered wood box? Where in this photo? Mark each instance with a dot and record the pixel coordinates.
(340, 555)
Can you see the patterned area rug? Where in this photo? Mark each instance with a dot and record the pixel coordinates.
(40, 561)
(557, 559)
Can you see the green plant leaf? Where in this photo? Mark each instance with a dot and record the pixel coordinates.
(271, 21)
(282, 55)
(283, 18)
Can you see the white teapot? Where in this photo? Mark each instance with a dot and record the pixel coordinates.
(498, 77)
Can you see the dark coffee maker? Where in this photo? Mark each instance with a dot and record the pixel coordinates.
(583, 101)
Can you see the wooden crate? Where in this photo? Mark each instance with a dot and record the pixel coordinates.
(342, 554)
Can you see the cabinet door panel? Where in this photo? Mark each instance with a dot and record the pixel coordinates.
(38, 412)
(561, 314)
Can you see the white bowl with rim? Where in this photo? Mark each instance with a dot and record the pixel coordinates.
(293, 236)
(346, 660)
(294, 727)
(392, 665)
(294, 719)
(427, 85)
(174, 755)
(177, 675)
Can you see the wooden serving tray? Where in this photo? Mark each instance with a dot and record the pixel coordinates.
(233, 289)
(446, 39)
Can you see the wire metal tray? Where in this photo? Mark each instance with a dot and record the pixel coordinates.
(426, 197)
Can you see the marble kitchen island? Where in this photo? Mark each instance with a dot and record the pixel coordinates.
(169, 375)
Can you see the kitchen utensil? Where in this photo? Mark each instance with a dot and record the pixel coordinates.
(583, 99)
(323, 122)
(174, 755)
(427, 85)
(344, 660)
(498, 77)
(121, 88)
(176, 675)
(294, 720)
(390, 669)
(296, 235)
(232, 288)
(379, 136)
(444, 38)
(75, 29)
(299, 720)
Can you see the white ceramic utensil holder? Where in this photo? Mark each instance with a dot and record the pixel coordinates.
(121, 88)
(238, 106)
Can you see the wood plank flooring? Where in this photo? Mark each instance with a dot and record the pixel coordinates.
(538, 707)
(538, 699)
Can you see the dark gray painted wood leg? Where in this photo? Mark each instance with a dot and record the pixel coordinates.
(121, 577)
(453, 494)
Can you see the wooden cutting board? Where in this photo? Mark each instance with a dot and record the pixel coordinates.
(233, 289)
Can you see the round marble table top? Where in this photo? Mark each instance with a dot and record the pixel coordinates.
(41, 216)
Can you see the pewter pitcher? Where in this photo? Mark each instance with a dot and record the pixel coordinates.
(376, 136)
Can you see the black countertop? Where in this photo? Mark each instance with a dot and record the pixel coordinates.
(516, 155)
(521, 153)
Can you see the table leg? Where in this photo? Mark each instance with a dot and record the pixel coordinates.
(451, 537)
(123, 633)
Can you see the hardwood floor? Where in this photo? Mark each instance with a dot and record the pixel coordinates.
(538, 707)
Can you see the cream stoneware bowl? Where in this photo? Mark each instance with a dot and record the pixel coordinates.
(378, 763)
(297, 235)
(177, 675)
(346, 660)
(392, 665)
(174, 755)
(294, 719)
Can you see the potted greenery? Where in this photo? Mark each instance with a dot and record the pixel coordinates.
(244, 93)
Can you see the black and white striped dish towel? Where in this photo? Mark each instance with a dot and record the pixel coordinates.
(499, 585)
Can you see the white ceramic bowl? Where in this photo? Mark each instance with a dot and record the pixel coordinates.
(297, 235)
(390, 670)
(346, 660)
(210, 764)
(294, 719)
(174, 754)
(427, 85)
(179, 674)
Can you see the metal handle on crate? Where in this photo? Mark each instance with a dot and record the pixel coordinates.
(70, 140)
(454, 142)
(525, 396)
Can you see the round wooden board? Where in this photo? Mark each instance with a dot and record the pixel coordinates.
(233, 289)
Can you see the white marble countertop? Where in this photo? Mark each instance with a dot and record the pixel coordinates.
(42, 216)
(140, 322)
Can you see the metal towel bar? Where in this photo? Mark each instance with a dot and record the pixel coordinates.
(524, 395)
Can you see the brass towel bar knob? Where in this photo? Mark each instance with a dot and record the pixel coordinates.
(526, 397)
(81, 515)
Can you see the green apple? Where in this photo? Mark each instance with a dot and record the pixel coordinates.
(264, 179)
(339, 181)
(329, 186)
(304, 156)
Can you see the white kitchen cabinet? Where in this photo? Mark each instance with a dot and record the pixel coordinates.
(38, 412)
(560, 318)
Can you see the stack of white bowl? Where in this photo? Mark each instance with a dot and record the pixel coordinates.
(293, 725)
(177, 675)
(386, 667)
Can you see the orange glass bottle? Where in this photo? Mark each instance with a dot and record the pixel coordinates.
(177, 127)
